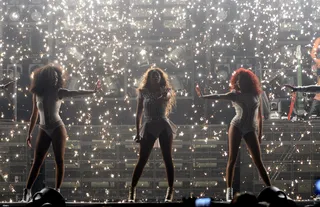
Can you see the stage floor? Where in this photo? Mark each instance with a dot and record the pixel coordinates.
(85, 204)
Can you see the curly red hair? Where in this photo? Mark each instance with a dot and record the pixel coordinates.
(248, 82)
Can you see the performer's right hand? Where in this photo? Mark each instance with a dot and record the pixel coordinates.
(198, 91)
(137, 138)
(29, 141)
(294, 89)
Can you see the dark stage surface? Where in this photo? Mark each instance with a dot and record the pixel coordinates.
(85, 204)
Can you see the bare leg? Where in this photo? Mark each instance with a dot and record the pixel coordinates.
(146, 146)
(59, 138)
(166, 149)
(234, 143)
(254, 149)
(41, 148)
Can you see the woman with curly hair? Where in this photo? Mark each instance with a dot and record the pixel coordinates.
(155, 100)
(47, 88)
(245, 95)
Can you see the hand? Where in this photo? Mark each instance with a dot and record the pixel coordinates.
(7, 85)
(164, 94)
(198, 91)
(137, 138)
(29, 141)
(98, 86)
(291, 87)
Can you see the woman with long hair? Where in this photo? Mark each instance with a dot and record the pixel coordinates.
(47, 89)
(247, 123)
(155, 100)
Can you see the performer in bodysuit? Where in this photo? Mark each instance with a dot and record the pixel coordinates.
(155, 100)
(245, 96)
(315, 107)
(48, 92)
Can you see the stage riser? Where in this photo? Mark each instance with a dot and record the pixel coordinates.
(100, 160)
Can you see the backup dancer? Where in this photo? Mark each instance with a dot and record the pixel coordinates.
(247, 123)
(48, 92)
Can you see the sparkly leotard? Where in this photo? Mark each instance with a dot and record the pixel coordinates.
(155, 119)
(49, 106)
(246, 106)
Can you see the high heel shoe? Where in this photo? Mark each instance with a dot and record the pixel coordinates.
(132, 194)
(169, 195)
(26, 196)
(229, 194)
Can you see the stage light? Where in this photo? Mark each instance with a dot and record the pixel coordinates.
(244, 63)
(175, 18)
(73, 82)
(175, 24)
(177, 56)
(274, 105)
(245, 15)
(141, 18)
(141, 24)
(286, 8)
(176, 83)
(138, 12)
(33, 67)
(35, 14)
(15, 67)
(222, 14)
(14, 14)
(290, 26)
(73, 21)
(222, 71)
(141, 56)
(110, 85)
(315, 11)
(75, 53)
(107, 55)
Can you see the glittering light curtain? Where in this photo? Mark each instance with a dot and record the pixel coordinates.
(115, 41)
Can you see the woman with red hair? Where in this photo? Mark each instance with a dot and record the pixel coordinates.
(247, 123)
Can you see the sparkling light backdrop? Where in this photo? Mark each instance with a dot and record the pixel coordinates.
(194, 41)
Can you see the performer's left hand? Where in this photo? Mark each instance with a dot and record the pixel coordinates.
(294, 89)
(164, 94)
(7, 85)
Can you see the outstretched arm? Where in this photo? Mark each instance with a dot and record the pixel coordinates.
(226, 96)
(166, 94)
(309, 89)
(5, 86)
(63, 93)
